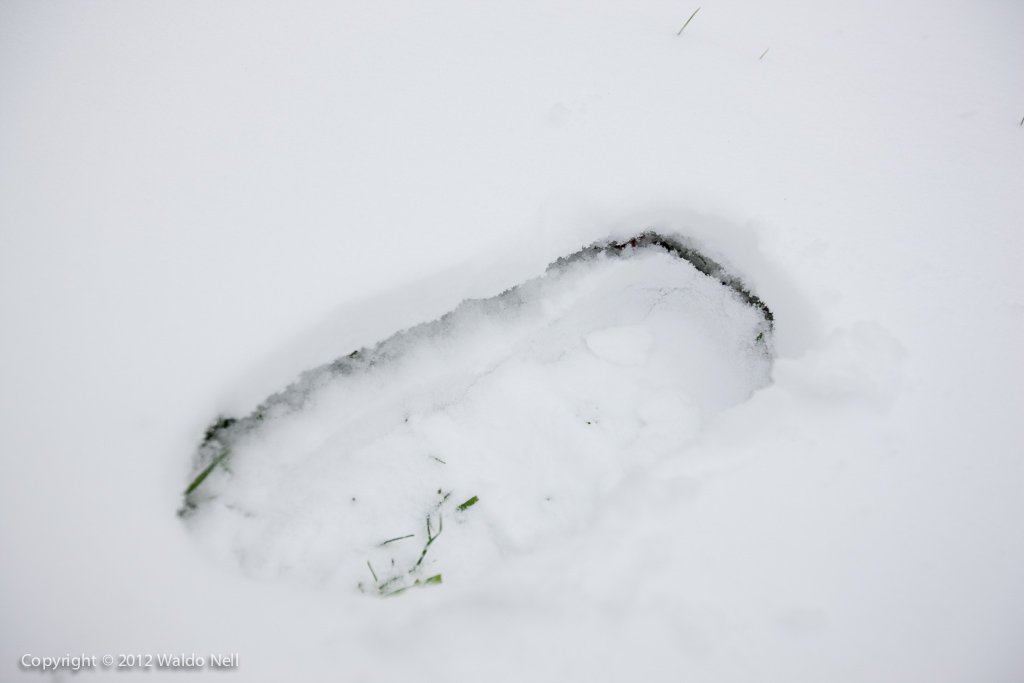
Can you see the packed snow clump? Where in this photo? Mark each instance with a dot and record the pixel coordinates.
(496, 429)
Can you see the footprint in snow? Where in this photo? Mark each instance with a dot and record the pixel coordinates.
(533, 404)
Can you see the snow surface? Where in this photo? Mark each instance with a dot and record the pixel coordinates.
(200, 201)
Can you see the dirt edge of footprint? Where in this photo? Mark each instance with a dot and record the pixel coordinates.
(215, 448)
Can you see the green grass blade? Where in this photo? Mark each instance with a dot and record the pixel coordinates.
(688, 22)
(468, 504)
(206, 472)
(396, 538)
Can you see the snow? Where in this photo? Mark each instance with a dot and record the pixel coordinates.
(621, 344)
(200, 202)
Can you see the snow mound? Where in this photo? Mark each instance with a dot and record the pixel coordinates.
(497, 429)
